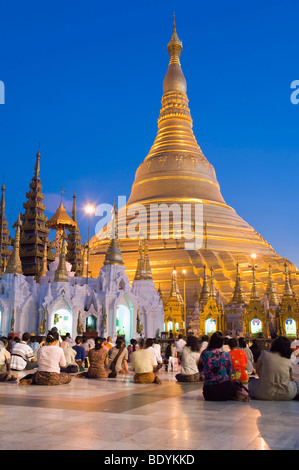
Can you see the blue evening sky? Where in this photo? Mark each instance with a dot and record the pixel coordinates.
(84, 78)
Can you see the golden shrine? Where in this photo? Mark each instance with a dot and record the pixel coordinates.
(234, 281)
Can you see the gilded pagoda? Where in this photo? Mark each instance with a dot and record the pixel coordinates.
(176, 172)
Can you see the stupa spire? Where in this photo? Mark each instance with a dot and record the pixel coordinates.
(174, 286)
(238, 297)
(271, 291)
(14, 265)
(37, 164)
(147, 266)
(205, 291)
(175, 158)
(113, 254)
(61, 274)
(288, 291)
(74, 254)
(45, 261)
(254, 291)
(74, 209)
(174, 46)
(4, 233)
(213, 292)
(140, 270)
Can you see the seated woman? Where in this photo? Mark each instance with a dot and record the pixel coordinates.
(169, 354)
(117, 358)
(239, 361)
(190, 358)
(71, 365)
(50, 358)
(98, 361)
(256, 350)
(250, 364)
(133, 346)
(216, 366)
(275, 371)
(143, 364)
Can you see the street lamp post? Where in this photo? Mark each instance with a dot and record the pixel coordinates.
(89, 209)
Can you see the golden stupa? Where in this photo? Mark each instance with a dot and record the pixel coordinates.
(176, 172)
(60, 222)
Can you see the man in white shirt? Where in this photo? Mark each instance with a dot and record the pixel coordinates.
(157, 348)
(22, 357)
(204, 343)
(142, 362)
(70, 340)
(150, 347)
(179, 344)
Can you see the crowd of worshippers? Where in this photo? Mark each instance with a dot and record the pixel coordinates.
(227, 368)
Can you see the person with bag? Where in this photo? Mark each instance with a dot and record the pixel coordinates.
(216, 367)
(118, 357)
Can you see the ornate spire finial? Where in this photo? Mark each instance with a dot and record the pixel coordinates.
(147, 267)
(174, 286)
(271, 292)
(45, 261)
(61, 193)
(205, 291)
(213, 292)
(254, 292)
(238, 297)
(174, 80)
(140, 271)
(2, 203)
(61, 274)
(288, 291)
(113, 253)
(14, 265)
(74, 209)
(37, 164)
(174, 46)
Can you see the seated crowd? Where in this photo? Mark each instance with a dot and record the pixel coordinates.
(227, 367)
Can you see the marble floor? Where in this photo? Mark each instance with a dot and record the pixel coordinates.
(116, 414)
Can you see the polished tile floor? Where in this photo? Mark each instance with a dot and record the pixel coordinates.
(116, 414)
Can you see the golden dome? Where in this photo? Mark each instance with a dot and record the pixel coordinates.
(61, 219)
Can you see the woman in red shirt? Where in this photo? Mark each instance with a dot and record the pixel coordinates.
(239, 360)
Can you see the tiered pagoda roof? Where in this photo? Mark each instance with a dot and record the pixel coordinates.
(34, 232)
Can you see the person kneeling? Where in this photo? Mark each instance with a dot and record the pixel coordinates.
(143, 364)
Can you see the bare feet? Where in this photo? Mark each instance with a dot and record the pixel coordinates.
(241, 397)
(25, 382)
